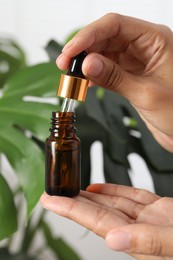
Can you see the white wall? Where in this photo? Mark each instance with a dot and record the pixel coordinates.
(33, 23)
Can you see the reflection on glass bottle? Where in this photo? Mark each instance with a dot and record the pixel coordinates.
(63, 156)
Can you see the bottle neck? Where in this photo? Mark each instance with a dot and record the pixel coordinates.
(63, 124)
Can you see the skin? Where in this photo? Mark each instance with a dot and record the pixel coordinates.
(135, 59)
(110, 211)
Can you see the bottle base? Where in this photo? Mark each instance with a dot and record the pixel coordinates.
(62, 192)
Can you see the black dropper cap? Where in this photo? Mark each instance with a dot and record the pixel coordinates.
(73, 84)
(75, 69)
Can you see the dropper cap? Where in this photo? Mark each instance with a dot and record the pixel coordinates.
(73, 85)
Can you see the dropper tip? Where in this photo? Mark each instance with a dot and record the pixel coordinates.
(67, 105)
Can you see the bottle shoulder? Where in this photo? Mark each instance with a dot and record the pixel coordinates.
(63, 141)
(56, 137)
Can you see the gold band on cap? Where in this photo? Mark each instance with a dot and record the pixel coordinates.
(72, 87)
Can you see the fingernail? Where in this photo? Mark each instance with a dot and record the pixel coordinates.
(94, 68)
(119, 241)
(47, 202)
(44, 199)
(59, 59)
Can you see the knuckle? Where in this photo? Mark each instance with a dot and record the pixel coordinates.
(162, 34)
(164, 29)
(148, 244)
(71, 209)
(144, 195)
(139, 194)
(101, 215)
(135, 211)
(154, 245)
(164, 204)
(112, 15)
(116, 202)
(114, 78)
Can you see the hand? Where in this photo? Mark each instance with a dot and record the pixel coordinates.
(135, 59)
(131, 220)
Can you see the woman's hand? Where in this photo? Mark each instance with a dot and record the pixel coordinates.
(134, 58)
(131, 220)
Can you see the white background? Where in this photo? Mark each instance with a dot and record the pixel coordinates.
(33, 23)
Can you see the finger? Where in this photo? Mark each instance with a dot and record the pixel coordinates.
(63, 61)
(77, 198)
(109, 26)
(95, 218)
(112, 32)
(129, 208)
(118, 206)
(141, 196)
(108, 74)
(142, 239)
(83, 198)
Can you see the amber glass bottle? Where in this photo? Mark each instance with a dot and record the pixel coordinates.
(62, 156)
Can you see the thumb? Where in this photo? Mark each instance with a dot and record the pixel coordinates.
(142, 239)
(106, 73)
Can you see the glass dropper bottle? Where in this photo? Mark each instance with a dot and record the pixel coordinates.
(62, 147)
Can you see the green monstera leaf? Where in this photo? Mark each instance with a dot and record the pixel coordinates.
(21, 119)
(58, 245)
(8, 218)
(12, 58)
(6, 255)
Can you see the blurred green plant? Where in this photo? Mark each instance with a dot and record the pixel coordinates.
(12, 58)
(23, 126)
